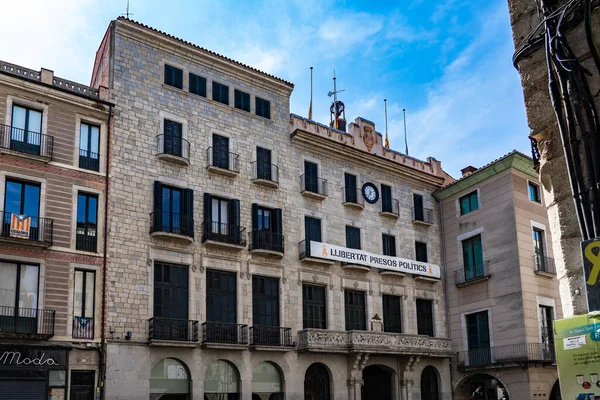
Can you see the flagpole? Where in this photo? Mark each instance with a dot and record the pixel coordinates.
(405, 139)
(311, 94)
(387, 142)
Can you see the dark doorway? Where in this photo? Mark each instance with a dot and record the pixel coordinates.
(82, 385)
(429, 384)
(316, 383)
(555, 393)
(377, 383)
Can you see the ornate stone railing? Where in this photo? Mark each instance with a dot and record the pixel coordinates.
(320, 340)
(75, 87)
(21, 71)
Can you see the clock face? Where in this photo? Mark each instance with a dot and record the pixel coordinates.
(370, 192)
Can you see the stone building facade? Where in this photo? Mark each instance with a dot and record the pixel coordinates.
(504, 294)
(53, 148)
(221, 203)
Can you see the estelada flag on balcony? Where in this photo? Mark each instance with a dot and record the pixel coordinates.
(20, 226)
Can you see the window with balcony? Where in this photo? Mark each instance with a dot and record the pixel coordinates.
(173, 210)
(220, 93)
(312, 232)
(84, 294)
(197, 85)
(392, 315)
(221, 307)
(267, 230)
(21, 212)
(171, 299)
(89, 147)
(534, 192)
(546, 316)
(421, 251)
(311, 177)
(478, 337)
(350, 194)
(263, 108)
(173, 77)
(314, 307)
(222, 220)
(425, 317)
(173, 138)
(241, 100)
(473, 258)
(389, 245)
(469, 203)
(539, 251)
(264, 169)
(354, 307)
(352, 237)
(87, 222)
(26, 131)
(388, 204)
(265, 312)
(220, 152)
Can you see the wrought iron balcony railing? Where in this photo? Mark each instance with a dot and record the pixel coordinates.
(223, 233)
(424, 215)
(508, 355)
(352, 196)
(83, 328)
(224, 333)
(27, 322)
(543, 263)
(390, 206)
(472, 273)
(314, 185)
(173, 145)
(271, 336)
(33, 230)
(177, 330)
(265, 172)
(86, 242)
(168, 222)
(266, 240)
(89, 160)
(26, 142)
(224, 160)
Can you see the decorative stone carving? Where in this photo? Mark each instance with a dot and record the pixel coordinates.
(355, 284)
(315, 278)
(368, 137)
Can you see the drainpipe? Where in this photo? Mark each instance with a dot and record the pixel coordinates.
(444, 266)
(102, 358)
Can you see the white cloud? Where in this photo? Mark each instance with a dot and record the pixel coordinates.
(347, 30)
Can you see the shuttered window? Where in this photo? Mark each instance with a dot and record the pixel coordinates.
(197, 85)
(392, 316)
(469, 203)
(263, 108)
(386, 198)
(421, 251)
(173, 77)
(425, 317)
(241, 100)
(350, 188)
(220, 93)
(265, 301)
(473, 257)
(221, 296)
(354, 305)
(314, 309)
(352, 237)
(389, 245)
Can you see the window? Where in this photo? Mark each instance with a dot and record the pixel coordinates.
(221, 297)
(265, 301)
(473, 257)
(173, 138)
(314, 309)
(197, 85)
(539, 251)
(469, 203)
(84, 294)
(173, 77)
(87, 222)
(546, 320)
(89, 145)
(19, 285)
(220, 152)
(534, 192)
(83, 385)
(386, 199)
(478, 330)
(352, 237)
(350, 194)
(220, 93)
(170, 291)
(263, 108)
(263, 164)
(389, 245)
(419, 213)
(173, 210)
(424, 317)
(26, 130)
(241, 100)
(392, 316)
(354, 306)
(267, 231)
(312, 232)
(23, 198)
(421, 251)
(222, 217)
(311, 177)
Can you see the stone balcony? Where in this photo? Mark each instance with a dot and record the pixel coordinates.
(326, 341)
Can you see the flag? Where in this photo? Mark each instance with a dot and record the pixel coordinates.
(19, 226)
(310, 110)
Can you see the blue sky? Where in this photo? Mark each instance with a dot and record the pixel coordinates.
(448, 62)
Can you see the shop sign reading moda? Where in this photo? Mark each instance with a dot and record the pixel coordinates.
(353, 256)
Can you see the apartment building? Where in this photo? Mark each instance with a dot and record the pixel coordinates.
(256, 254)
(53, 148)
(505, 294)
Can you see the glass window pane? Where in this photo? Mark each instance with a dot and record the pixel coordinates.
(18, 117)
(32, 201)
(92, 209)
(94, 139)
(81, 200)
(28, 296)
(12, 203)
(78, 294)
(176, 201)
(57, 378)
(8, 282)
(90, 286)
(166, 202)
(83, 137)
(35, 121)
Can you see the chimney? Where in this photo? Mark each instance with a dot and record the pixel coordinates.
(468, 170)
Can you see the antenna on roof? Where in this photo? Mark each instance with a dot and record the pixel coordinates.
(387, 141)
(337, 108)
(405, 139)
(127, 14)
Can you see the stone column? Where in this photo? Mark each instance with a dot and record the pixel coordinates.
(354, 389)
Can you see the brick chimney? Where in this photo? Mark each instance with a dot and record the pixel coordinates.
(468, 170)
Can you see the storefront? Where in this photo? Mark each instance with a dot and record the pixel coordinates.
(33, 372)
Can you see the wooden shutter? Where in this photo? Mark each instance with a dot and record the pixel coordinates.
(350, 183)
(157, 204)
(187, 220)
(277, 223)
(207, 213)
(386, 198)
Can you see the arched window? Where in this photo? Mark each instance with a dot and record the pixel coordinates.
(267, 383)
(429, 384)
(169, 380)
(316, 383)
(221, 381)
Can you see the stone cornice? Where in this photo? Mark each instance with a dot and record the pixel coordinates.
(198, 55)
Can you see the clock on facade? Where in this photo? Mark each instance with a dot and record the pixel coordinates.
(370, 192)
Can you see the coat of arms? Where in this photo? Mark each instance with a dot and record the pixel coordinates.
(369, 137)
